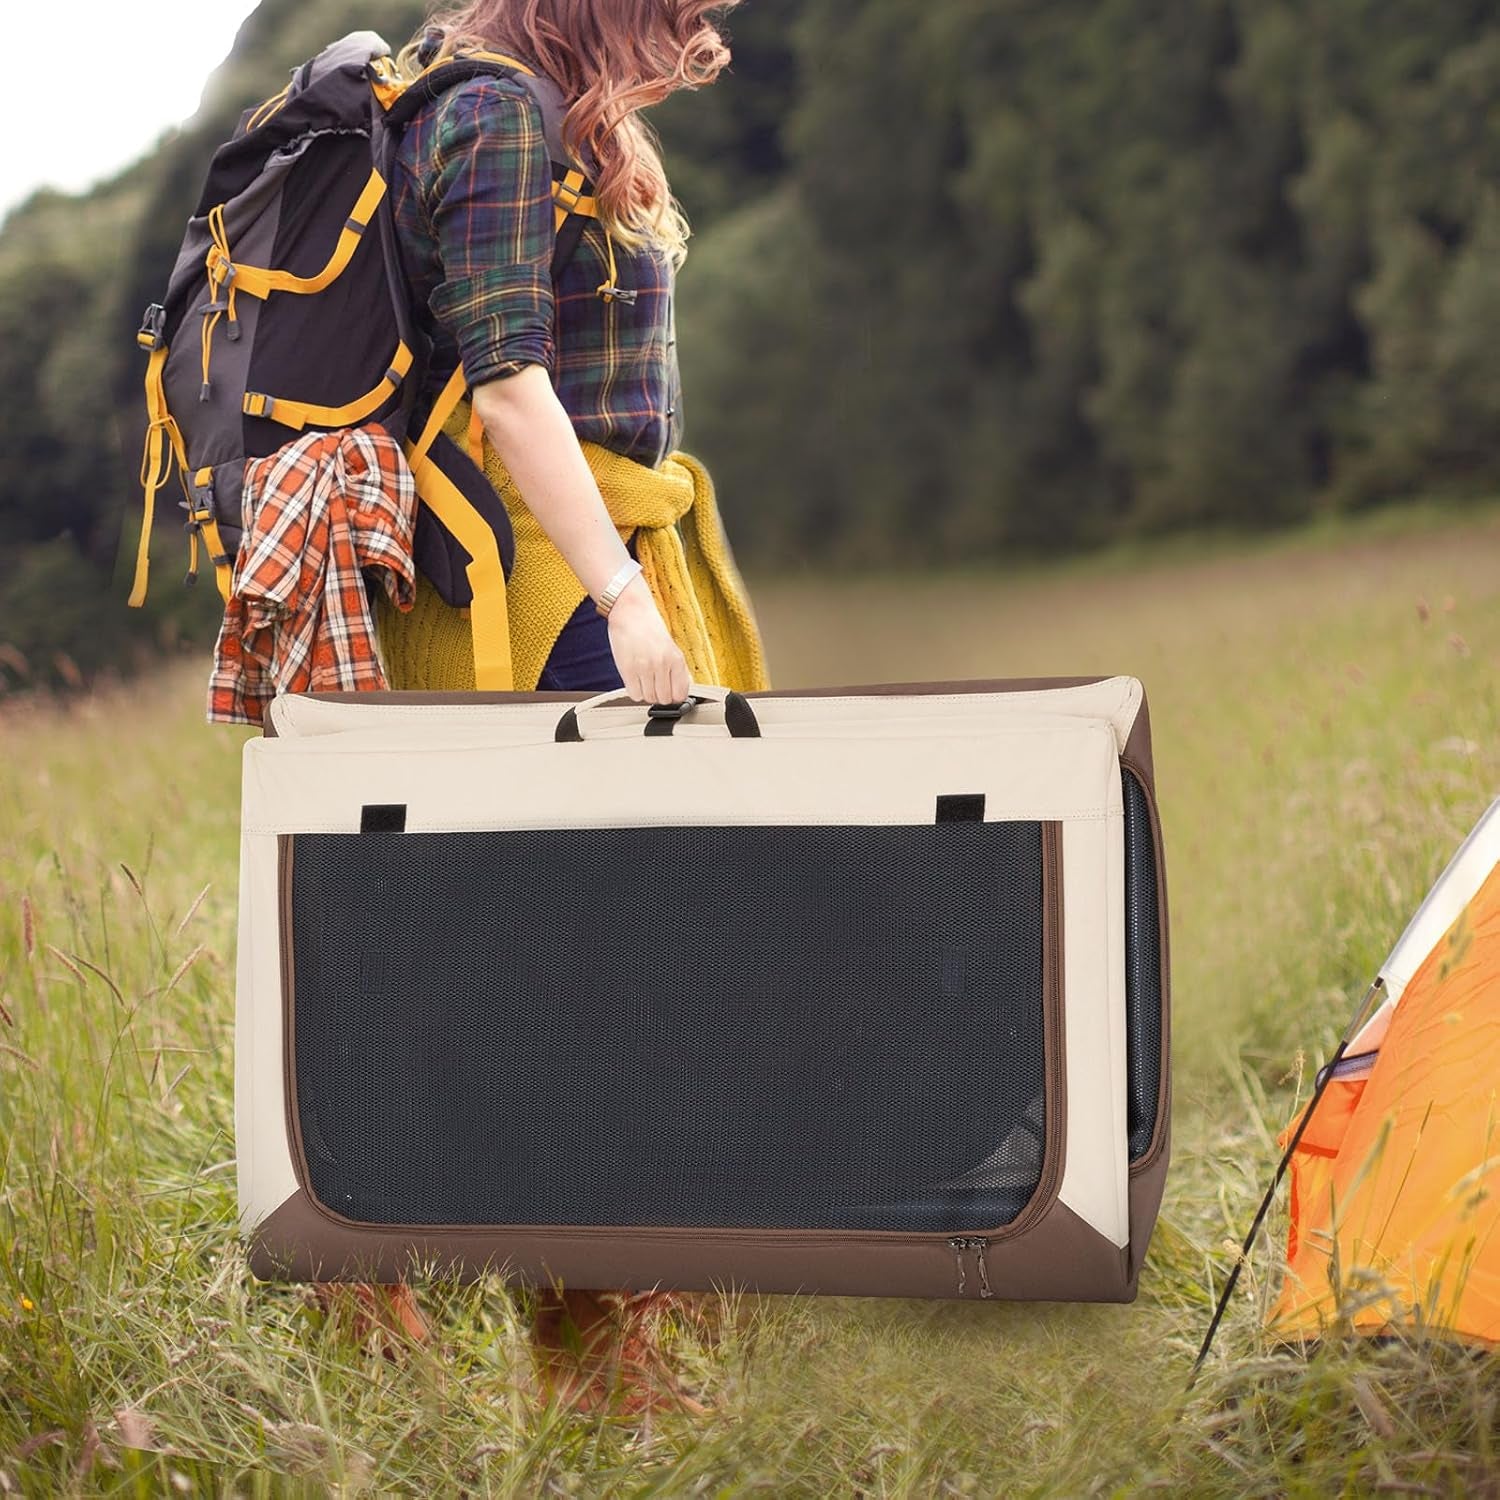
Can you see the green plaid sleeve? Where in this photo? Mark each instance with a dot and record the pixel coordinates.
(488, 197)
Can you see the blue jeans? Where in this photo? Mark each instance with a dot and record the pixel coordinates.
(580, 660)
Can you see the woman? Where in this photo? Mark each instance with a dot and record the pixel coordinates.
(576, 388)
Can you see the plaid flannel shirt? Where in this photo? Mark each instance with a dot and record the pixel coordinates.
(315, 513)
(472, 199)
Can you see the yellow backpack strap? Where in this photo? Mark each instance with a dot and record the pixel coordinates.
(261, 281)
(568, 197)
(443, 408)
(201, 518)
(163, 446)
(489, 617)
(265, 110)
(300, 414)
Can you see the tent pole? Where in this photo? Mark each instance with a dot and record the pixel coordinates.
(1325, 1077)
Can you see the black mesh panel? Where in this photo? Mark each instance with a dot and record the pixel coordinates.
(1143, 1016)
(795, 1027)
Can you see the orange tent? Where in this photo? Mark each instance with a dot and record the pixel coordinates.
(1395, 1206)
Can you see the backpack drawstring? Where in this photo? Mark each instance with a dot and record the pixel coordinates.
(608, 290)
(221, 273)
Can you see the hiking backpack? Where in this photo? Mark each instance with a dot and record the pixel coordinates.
(285, 312)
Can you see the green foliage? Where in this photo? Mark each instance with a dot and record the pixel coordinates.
(969, 279)
(1091, 271)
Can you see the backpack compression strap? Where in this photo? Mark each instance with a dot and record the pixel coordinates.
(164, 451)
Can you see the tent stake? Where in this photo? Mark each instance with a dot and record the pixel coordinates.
(1325, 1077)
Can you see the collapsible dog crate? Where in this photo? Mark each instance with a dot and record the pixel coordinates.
(856, 990)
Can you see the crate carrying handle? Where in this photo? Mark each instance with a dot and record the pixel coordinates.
(661, 718)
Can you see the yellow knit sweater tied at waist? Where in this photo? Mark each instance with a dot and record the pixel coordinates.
(685, 560)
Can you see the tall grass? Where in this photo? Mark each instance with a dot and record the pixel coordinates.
(1327, 719)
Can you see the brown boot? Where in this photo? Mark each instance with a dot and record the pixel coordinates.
(598, 1351)
(572, 1334)
(366, 1307)
(649, 1376)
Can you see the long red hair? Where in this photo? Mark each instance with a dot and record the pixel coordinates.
(611, 58)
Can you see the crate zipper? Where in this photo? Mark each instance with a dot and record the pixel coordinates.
(958, 1244)
(976, 1244)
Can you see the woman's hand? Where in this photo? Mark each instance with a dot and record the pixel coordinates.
(649, 660)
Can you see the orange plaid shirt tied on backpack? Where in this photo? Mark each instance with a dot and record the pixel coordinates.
(316, 514)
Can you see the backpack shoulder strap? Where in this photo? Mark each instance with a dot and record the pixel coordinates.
(572, 184)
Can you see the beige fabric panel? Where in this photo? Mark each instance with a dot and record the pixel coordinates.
(1097, 1161)
(1032, 772)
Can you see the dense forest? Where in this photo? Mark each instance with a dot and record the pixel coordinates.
(970, 279)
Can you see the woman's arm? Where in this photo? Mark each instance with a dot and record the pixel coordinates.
(528, 428)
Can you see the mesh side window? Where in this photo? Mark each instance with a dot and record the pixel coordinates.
(787, 1027)
(1143, 1018)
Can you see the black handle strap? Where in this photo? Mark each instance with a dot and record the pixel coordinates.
(662, 719)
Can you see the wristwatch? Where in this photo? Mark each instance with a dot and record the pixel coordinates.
(616, 585)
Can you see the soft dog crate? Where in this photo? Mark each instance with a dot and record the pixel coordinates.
(859, 990)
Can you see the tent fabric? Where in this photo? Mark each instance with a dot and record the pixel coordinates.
(1451, 892)
(1395, 1207)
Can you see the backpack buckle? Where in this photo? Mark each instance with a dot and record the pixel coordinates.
(199, 504)
(153, 328)
(198, 511)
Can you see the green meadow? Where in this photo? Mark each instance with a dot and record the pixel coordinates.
(1326, 710)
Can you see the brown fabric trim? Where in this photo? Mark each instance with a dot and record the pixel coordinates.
(1059, 1259)
(862, 690)
(1148, 1181)
(1055, 1104)
(1137, 751)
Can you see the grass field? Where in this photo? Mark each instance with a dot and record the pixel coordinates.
(1327, 719)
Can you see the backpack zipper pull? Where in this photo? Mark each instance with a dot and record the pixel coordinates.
(958, 1245)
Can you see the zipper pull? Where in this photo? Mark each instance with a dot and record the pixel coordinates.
(958, 1245)
(979, 1247)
